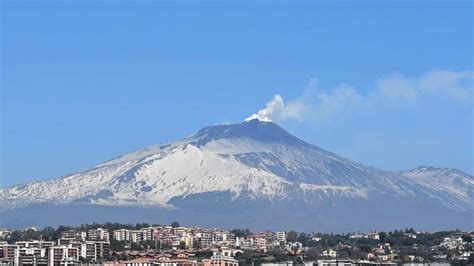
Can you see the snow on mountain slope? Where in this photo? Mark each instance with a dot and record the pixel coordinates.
(449, 184)
(254, 158)
(152, 179)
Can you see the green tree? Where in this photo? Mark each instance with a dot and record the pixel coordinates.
(466, 238)
(196, 244)
(149, 244)
(313, 254)
(292, 236)
(175, 224)
(241, 232)
(382, 236)
(117, 245)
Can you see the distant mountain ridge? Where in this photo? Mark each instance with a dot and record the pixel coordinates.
(255, 169)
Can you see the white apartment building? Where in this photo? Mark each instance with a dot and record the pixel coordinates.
(73, 234)
(34, 244)
(30, 256)
(121, 235)
(136, 236)
(63, 255)
(280, 236)
(148, 233)
(223, 237)
(98, 234)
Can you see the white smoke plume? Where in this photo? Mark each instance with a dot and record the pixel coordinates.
(273, 109)
(323, 106)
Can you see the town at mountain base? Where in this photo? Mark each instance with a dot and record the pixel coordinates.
(145, 244)
(252, 174)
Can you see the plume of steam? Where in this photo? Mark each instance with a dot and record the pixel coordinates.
(272, 111)
(327, 105)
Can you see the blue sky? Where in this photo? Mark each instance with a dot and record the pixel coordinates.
(389, 85)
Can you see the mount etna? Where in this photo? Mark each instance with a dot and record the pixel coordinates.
(253, 175)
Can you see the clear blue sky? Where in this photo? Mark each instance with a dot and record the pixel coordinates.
(84, 82)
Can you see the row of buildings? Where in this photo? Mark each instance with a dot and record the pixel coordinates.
(93, 247)
(193, 246)
(193, 237)
(62, 252)
(71, 248)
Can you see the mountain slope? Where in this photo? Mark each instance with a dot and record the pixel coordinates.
(249, 164)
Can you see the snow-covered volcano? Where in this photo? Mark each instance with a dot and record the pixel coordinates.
(254, 168)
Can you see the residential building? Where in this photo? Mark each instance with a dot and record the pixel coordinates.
(452, 242)
(121, 235)
(281, 236)
(5, 234)
(98, 234)
(220, 260)
(73, 235)
(148, 234)
(373, 235)
(63, 255)
(329, 253)
(31, 256)
(136, 236)
(34, 244)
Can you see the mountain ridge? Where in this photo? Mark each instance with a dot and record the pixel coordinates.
(252, 162)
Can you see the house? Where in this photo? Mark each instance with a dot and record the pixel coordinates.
(373, 235)
(329, 253)
(140, 262)
(225, 251)
(335, 263)
(452, 242)
(113, 263)
(410, 235)
(164, 257)
(356, 236)
(220, 260)
(5, 234)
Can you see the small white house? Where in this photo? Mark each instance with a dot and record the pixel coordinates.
(329, 253)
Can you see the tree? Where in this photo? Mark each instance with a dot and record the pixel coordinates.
(466, 238)
(136, 246)
(344, 254)
(49, 233)
(304, 239)
(175, 224)
(117, 245)
(196, 244)
(382, 236)
(292, 236)
(182, 245)
(279, 254)
(203, 254)
(149, 244)
(365, 248)
(471, 259)
(241, 232)
(313, 253)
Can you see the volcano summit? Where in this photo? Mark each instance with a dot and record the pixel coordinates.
(252, 174)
